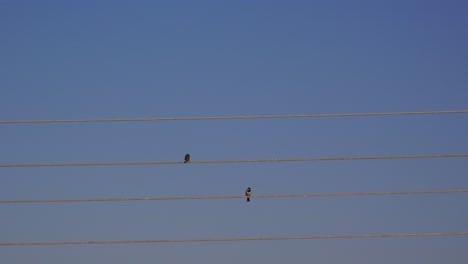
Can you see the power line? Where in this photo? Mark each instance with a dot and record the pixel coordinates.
(231, 197)
(234, 161)
(229, 239)
(101, 120)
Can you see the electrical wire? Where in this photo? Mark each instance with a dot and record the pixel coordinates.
(101, 120)
(230, 239)
(231, 197)
(233, 161)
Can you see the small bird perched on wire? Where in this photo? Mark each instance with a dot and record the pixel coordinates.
(187, 158)
(248, 194)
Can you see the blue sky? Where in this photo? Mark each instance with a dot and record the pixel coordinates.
(110, 59)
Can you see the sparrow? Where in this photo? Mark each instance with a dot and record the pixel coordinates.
(248, 193)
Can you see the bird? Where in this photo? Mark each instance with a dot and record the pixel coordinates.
(187, 158)
(248, 194)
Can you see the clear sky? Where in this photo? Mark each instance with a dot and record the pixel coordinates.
(110, 59)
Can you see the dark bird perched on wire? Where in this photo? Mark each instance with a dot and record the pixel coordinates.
(187, 158)
(248, 194)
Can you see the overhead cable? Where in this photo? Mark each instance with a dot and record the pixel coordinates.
(340, 194)
(126, 163)
(101, 120)
(101, 242)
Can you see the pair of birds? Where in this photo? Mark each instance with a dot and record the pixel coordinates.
(248, 192)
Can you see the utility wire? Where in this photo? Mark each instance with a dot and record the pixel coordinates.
(101, 120)
(230, 197)
(233, 161)
(229, 239)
